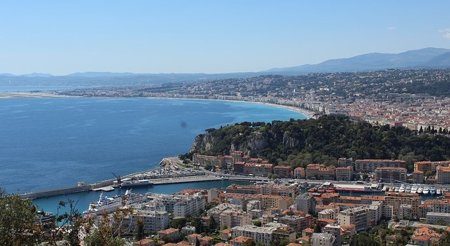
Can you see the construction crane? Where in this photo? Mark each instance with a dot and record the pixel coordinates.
(118, 178)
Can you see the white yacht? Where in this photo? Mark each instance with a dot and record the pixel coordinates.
(408, 189)
(414, 189)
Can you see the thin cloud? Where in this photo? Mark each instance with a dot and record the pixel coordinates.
(392, 28)
(445, 33)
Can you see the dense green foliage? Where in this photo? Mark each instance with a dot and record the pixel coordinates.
(17, 221)
(323, 140)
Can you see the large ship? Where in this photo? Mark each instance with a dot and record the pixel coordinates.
(107, 204)
(135, 183)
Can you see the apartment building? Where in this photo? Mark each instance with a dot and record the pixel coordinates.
(216, 211)
(190, 205)
(319, 171)
(230, 219)
(394, 200)
(267, 201)
(417, 177)
(442, 175)
(298, 223)
(305, 203)
(434, 205)
(438, 218)
(329, 214)
(334, 230)
(282, 171)
(322, 239)
(265, 235)
(344, 173)
(390, 174)
(369, 165)
(430, 166)
(265, 189)
(357, 216)
(153, 221)
(299, 173)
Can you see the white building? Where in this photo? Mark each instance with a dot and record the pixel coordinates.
(357, 216)
(438, 218)
(153, 221)
(322, 239)
(189, 206)
(261, 235)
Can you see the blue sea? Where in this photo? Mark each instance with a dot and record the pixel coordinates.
(50, 143)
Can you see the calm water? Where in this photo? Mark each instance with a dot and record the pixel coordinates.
(55, 142)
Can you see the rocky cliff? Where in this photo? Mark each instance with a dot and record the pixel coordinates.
(322, 140)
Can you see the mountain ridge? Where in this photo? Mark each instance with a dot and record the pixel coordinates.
(420, 58)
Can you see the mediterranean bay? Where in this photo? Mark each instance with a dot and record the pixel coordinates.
(51, 143)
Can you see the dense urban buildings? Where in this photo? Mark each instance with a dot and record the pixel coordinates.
(416, 99)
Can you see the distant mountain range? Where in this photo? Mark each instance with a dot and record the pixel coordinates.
(422, 58)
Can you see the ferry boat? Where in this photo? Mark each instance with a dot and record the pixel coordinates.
(107, 204)
(135, 183)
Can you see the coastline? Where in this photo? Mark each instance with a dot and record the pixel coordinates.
(307, 113)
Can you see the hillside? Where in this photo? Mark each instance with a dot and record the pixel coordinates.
(323, 140)
(421, 58)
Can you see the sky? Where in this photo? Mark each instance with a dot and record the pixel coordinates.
(214, 36)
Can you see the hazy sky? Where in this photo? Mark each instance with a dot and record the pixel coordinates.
(65, 36)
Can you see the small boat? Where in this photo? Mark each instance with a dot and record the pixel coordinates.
(408, 189)
(420, 190)
(438, 192)
(414, 189)
(426, 190)
(432, 190)
(397, 189)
